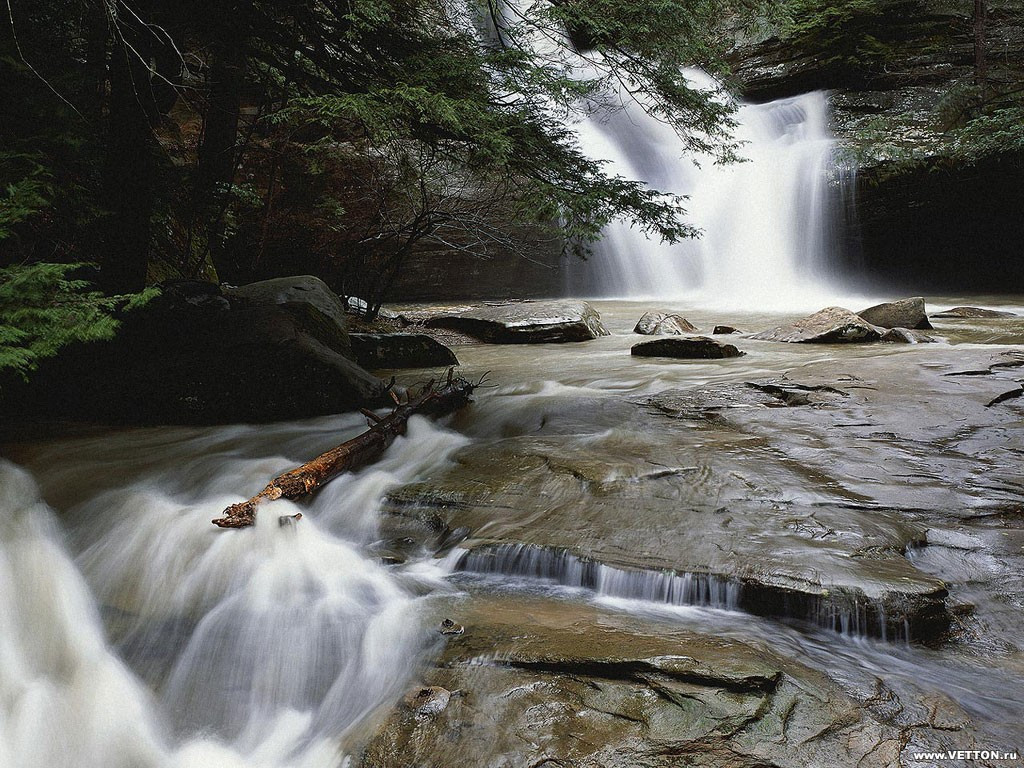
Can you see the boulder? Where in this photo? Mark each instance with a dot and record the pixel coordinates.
(973, 312)
(832, 325)
(180, 360)
(692, 348)
(400, 350)
(721, 330)
(906, 336)
(306, 297)
(905, 313)
(532, 322)
(668, 323)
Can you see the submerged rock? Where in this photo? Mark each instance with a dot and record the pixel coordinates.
(428, 701)
(709, 401)
(832, 325)
(400, 350)
(693, 348)
(579, 686)
(905, 313)
(724, 330)
(978, 312)
(532, 322)
(906, 336)
(668, 323)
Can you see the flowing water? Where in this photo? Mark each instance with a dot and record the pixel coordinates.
(135, 633)
(768, 224)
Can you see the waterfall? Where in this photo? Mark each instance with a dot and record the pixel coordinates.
(767, 224)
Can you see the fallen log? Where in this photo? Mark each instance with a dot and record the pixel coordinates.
(355, 453)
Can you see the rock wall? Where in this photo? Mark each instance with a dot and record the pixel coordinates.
(429, 275)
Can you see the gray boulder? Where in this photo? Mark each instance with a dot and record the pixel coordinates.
(532, 322)
(905, 313)
(304, 296)
(832, 325)
(692, 348)
(400, 350)
(667, 323)
(973, 312)
(906, 336)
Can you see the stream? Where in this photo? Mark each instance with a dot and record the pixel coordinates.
(138, 634)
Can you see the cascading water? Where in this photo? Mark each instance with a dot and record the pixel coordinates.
(767, 224)
(166, 643)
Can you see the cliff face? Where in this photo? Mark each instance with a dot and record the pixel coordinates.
(897, 83)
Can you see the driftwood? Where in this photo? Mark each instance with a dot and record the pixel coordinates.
(354, 453)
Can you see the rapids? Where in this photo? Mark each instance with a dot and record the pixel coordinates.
(137, 634)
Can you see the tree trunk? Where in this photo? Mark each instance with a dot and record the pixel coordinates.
(353, 454)
(131, 163)
(980, 52)
(218, 151)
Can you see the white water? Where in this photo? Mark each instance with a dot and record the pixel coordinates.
(767, 225)
(168, 643)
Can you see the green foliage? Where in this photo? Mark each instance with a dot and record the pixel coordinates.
(998, 131)
(849, 33)
(44, 308)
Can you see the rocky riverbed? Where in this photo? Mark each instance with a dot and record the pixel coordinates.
(849, 491)
(810, 554)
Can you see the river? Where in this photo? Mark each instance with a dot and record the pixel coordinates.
(138, 634)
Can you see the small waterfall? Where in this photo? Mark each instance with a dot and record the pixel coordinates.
(837, 611)
(167, 643)
(769, 225)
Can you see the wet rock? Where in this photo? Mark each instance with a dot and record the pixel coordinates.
(712, 400)
(723, 330)
(906, 336)
(400, 350)
(547, 683)
(449, 627)
(692, 348)
(305, 296)
(668, 323)
(428, 701)
(528, 322)
(267, 354)
(695, 536)
(832, 325)
(905, 313)
(1011, 394)
(976, 312)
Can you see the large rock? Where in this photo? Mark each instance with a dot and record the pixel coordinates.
(537, 682)
(400, 350)
(190, 358)
(532, 322)
(706, 527)
(905, 313)
(832, 325)
(668, 323)
(979, 312)
(306, 297)
(692, 348)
